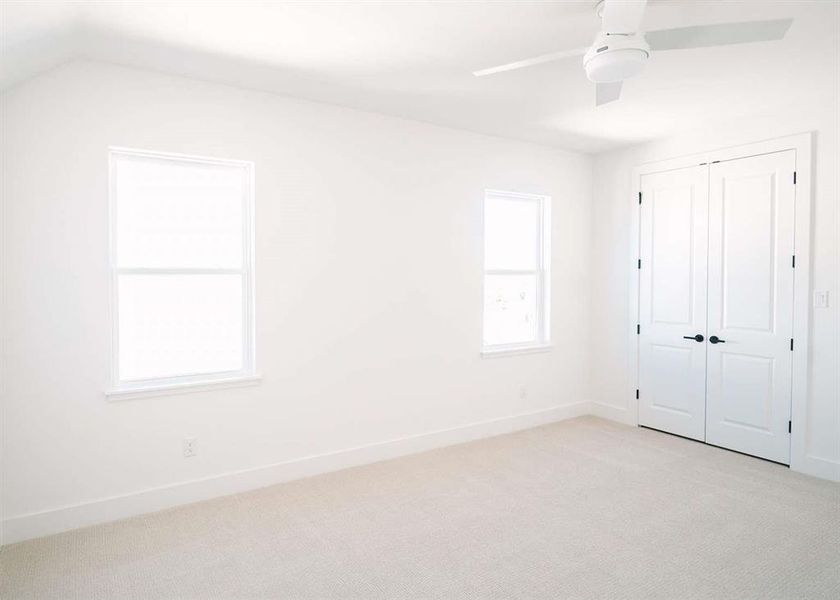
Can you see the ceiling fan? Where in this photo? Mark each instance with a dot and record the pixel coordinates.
(620, 49)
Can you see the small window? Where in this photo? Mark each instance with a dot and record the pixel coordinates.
(182, 274)
(516, 271)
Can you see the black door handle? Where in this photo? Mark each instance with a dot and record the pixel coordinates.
(696, 338)
(716, 340)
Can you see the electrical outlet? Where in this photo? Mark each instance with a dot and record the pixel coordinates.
(190, 447)
(821, 299)
(523, 392)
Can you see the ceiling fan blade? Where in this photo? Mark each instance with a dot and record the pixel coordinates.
(530, 62)
(722, 34)
(607, 92)
(622, 16)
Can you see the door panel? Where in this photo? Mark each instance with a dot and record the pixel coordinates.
(745, 387)
(750, 304)
(667, 391)
(672, 370)
(744, 242)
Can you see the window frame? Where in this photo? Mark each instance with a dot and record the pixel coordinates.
(542, 342)
(247, 375)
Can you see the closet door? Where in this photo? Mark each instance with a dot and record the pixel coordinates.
(751, 218)
(672, 301)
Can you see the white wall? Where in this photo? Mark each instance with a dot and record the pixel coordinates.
(614, 198)
(368, 293)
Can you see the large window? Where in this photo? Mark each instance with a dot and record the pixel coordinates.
(182, 276)
(516, 271)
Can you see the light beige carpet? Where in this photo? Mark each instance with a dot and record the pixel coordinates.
(579, 509)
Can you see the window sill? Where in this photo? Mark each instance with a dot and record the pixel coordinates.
(170, 389)
(512, 351)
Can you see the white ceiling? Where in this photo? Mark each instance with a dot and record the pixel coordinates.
(414, 59)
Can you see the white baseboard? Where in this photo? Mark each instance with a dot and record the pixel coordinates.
(612, 413)
(816, 466)
(32, 525)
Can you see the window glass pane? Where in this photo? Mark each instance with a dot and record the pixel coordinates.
(510, 233)
(510, 309)
(174, 214)
(173, 325)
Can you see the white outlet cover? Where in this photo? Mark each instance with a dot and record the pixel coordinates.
(821, 299)
(190, 447)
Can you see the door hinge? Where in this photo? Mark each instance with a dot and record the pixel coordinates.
(639, 264)
(640, 197)
(793, 261)
(638, 329)
(791, 344)
(794, 178)
(790, 427)
(637, 393)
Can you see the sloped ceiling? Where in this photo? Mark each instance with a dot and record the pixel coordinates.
(414, 59)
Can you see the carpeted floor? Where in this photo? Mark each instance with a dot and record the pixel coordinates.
(579, 509)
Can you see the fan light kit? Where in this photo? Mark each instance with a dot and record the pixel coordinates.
(615, 57)
(621, 49)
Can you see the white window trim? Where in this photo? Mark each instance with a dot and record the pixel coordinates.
(512, 350)
(218, 381)
(542, 272)
(185, 383)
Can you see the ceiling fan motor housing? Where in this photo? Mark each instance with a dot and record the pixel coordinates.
(615, 57)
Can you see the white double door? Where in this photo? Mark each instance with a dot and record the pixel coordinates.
(716, 303)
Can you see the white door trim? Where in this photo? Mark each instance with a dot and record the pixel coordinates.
(803, 143)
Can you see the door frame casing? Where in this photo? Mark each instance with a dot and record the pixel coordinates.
(802, 144)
